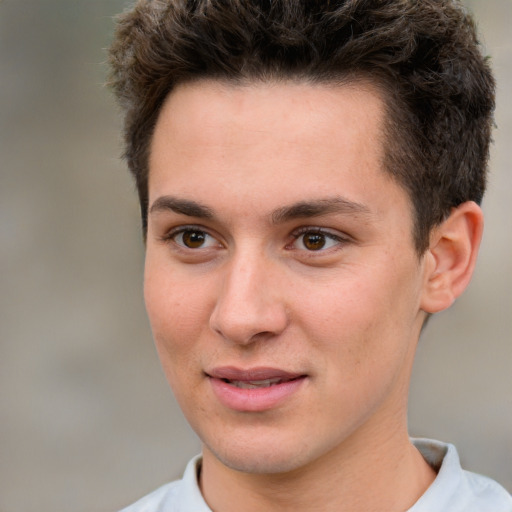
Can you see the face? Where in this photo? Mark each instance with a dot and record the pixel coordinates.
(281, 280)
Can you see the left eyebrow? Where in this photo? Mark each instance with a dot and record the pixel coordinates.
(318, 207)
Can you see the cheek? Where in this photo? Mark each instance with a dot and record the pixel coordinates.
(340, 305)
(176, 325)
(363, 316)
(176, 314)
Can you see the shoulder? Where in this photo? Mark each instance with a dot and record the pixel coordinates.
(179, 496)
(457, 490)
(487, 494)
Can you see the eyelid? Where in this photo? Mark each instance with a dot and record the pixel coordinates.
(337, 236)
(334, 235)
(172, 233)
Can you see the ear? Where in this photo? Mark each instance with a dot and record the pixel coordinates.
(451, 257)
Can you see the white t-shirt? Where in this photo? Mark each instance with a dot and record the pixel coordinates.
(453, 490)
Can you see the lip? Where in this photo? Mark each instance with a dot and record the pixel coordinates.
(255, 399)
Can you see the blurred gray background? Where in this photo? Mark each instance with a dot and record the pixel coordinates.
(87, 423)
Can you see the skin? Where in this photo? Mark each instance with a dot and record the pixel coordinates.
(232, 278)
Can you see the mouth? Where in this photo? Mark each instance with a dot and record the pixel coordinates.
(255, 389)
(259, 377)
(255, 384)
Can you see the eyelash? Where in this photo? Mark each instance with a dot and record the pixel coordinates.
(341, 240)
(172, 235)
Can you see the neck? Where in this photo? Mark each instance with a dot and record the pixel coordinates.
(360, 476)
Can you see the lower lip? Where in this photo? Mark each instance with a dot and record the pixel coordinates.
(256, 399)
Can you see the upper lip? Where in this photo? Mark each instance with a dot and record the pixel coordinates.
(251, 374)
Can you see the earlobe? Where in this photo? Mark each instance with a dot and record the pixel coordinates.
(451, 257)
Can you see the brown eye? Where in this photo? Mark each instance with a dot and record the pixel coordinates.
(313, 241)
(193, 239)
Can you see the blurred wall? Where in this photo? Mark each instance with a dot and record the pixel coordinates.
(87, 423)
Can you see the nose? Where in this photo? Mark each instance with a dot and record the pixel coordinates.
(250, 304)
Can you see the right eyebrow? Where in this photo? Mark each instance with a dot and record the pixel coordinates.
(181, 206)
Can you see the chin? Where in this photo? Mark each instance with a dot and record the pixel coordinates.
(265, 456)
(261, 463)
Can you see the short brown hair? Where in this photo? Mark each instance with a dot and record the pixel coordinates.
(424, 56)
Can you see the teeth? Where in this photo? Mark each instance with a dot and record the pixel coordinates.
(254, 384)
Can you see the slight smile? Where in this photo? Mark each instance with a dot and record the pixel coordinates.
(255, 389)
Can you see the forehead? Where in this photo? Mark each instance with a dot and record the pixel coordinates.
(294, 117)
(266, 106)
(298, 140)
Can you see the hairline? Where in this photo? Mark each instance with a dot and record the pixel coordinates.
(393, 142)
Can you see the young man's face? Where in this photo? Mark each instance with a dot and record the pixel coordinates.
(281, 283)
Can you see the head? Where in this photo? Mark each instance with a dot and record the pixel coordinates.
(423, 56)
(308, 174)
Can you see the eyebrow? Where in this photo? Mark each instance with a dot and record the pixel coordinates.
(317, 208)
(302, 209)
(182, 206)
